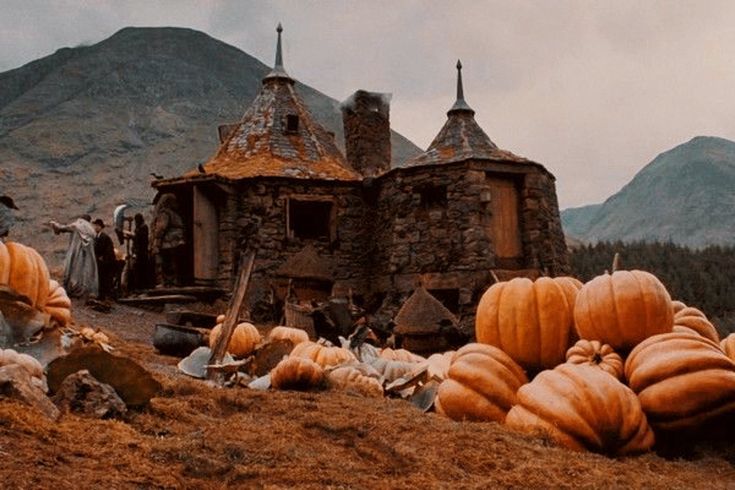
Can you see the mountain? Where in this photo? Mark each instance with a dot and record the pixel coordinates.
(685, 195)
(82, 129)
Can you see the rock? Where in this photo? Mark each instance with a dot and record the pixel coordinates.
(82, 394)
(131, 381)
(17, 384)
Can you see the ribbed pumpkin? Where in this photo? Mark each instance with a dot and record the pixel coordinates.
(25, 271)
(728, 346)
(692, 318)
(352, 380)
(531, 321)
(481, 384)
(392, 370)
(678, 306)
(594, 353)
(437, 365)
(324, 355)
(58, 304)
(400, 355)
(243, 341)
(296, 373)
(623, 309)
(582, 408)
(294, 335)
(682, 380)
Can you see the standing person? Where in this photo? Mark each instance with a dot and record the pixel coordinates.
(167, 240)
(141, 274)
(104, 252)
(7, 220)
(80, 266)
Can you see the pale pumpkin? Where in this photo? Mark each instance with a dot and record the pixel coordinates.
(392, 370)
(353, 380)
(595, 353)
(28, 363)
(678, 306)
(324, 355)
(400, 355)
(437, 365)
(245, 338)
(25, 271)
(728, 346)
(692, 318)
(582, 408)
(623, 309)
(481, 384)
(294, 335)
(58, 304)
(296, 373)
(531, 321)
(682, 380)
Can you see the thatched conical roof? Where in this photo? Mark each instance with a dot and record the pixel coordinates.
(307, 264)
(422, 314)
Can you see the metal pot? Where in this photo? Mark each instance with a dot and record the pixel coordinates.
(175, 340)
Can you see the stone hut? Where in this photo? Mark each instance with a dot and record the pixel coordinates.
(278, 183)
(423, 324)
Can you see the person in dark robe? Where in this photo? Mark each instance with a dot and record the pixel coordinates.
(142, 271)
(104, 252)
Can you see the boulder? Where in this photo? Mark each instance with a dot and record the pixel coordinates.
(82, 394)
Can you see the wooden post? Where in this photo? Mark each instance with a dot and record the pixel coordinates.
(233, 314)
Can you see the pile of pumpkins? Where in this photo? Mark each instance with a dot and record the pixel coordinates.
(26, 274)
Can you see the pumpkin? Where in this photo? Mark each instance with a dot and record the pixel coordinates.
(353, 380)
(531, 321)
(481, 384)
(243, 341)
(294, 335)
(25, 271)
(594, 353)
(324, 355)
(400, 355)
(678, 306)
(58, 304)
(296, 373)
(582, 408)
(728, 346)
(682, 380)
(437, 365)
(623, 309)
(28, 363)
(695, 320)
(392, 370)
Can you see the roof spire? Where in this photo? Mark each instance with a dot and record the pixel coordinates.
(278, 71)
(460, 104)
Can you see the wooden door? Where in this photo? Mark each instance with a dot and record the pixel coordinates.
(205, 237)
(505, 229)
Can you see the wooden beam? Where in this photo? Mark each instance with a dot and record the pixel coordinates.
(231, 318)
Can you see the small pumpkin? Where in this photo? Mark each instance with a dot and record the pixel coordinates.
(692, 318)
(595, 353)
(353, 380)
(294, 335)
(728, 346)
(58, 304)
(682, 380)
(623, 309)
(582, 408)
(400, 355)
(531, 321)
(437, 365)
(481, 384)
(296, 373)
(244, 339)
(25, 271)
(392, 370)
(28, 363)
(324, 355)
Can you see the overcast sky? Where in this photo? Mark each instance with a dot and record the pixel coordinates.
(592, 89)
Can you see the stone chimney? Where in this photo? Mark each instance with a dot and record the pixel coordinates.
(366, 119)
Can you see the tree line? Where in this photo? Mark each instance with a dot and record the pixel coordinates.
(704, 278)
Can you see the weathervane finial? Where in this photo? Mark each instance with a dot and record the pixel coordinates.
(460, 104)
(279, 55)
(278, 72)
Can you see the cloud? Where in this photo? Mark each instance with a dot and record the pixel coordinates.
(592, 89)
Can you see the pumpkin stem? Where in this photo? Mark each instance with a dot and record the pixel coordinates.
(494, 276)
(616, 262)
(596, 358)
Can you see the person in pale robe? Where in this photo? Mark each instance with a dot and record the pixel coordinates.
(81, 279)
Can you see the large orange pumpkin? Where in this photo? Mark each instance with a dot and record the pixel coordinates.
(481, 384)
(25, 271)
(324, 355)
(594, 353)
(623, 309)
(531, 321)
(695, 320)
(296, 373)
(243, 341)
(58, 304)
(728, 346)
(682, 380)
(582, 408)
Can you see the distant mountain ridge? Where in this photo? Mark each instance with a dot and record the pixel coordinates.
(82, 129)
(685, 195)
